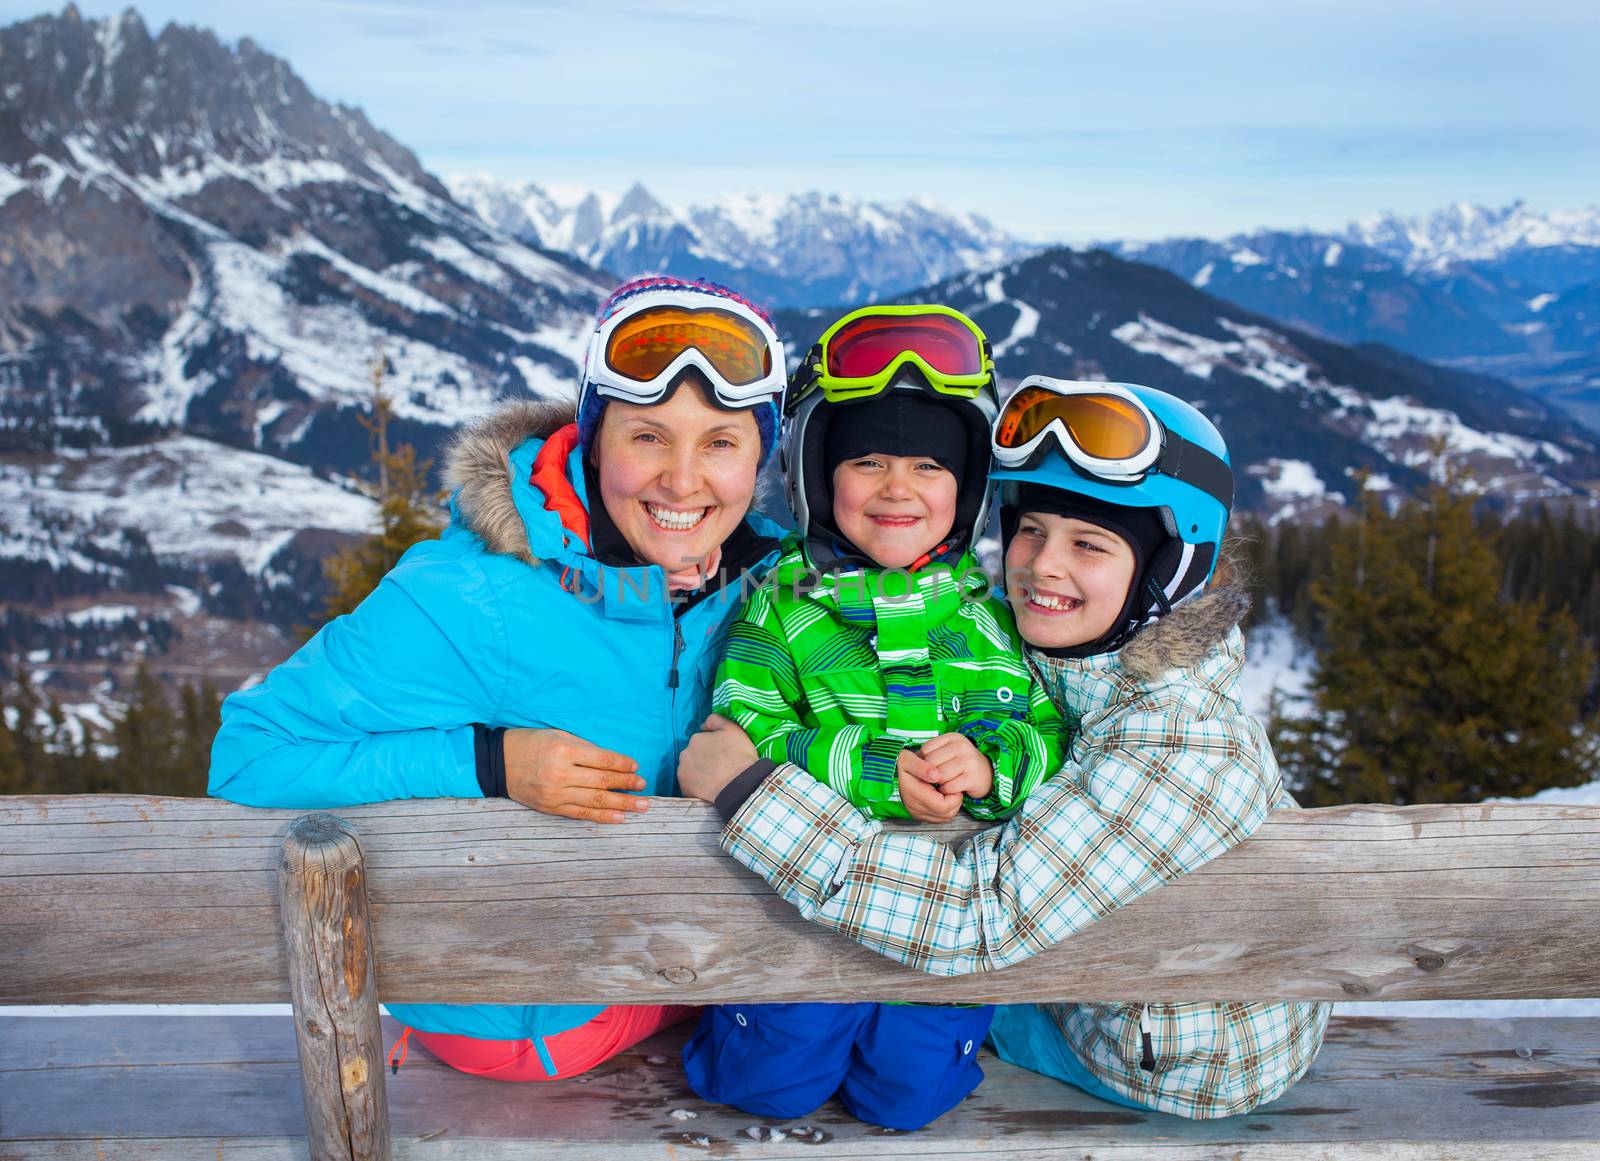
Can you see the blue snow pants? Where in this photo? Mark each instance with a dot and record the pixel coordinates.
(896, 1065)
(1023, 1035)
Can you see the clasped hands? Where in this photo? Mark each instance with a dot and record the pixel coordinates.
(560, 773)
(936, 777)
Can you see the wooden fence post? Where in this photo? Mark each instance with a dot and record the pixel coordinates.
(327, 932)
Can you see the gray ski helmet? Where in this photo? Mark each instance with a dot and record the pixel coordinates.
(810, 488)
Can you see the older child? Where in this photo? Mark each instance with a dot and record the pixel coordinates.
(1115, 501)
(875, 659)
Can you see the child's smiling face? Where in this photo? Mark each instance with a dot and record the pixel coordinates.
(896, 509)
(1067, 579)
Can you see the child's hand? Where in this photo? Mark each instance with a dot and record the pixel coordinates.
(923, 799)
(962, 769)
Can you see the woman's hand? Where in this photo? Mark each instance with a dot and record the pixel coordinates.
(962, 767)
(559, 773)
(714, 757)
(919, 790)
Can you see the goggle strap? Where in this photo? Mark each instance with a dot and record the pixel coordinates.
(1199, 468)
(805, 376)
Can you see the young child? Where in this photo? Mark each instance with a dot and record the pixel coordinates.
(876, 659)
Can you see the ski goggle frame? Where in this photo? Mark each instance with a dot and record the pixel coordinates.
(1106, 432)
(861, 354)
(637, 352)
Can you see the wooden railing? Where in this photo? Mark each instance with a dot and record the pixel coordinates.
(121, 898)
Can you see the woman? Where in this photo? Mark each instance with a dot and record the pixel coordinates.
(487, 662)
(1114, 502)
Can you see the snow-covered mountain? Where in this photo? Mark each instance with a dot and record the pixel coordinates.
(191, 240)
(801, 250)
(1508, 292)
(1478, 234)
(199, 259)
(1306, 419)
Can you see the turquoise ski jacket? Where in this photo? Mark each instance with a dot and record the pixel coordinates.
(505, 620)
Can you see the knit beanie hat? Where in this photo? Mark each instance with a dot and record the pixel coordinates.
(592, 404)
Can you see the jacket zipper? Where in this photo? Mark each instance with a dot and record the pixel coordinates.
(1148, 1060)
(677, 652)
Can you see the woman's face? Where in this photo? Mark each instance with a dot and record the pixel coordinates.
(1067, 579)
(678, 476)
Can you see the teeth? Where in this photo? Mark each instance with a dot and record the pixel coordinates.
(673, 519)
(1048, 602)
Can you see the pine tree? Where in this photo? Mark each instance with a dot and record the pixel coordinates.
(407, 505)
(1429, 687)
(23, 753)
(146, 740)
(199, 715)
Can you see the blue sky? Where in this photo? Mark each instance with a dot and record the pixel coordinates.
(1059, 120)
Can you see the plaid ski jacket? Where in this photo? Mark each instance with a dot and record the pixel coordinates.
(838, 672)
(1166, 772)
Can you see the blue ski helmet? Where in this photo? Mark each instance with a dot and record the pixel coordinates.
(1190, 519)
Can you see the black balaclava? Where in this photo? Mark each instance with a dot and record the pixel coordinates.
(897, 424)
(1144, 530)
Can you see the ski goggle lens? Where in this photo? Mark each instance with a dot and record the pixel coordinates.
(1104, 427)
(866, 347)
(645, 345)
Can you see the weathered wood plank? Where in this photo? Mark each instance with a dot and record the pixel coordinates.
(129, 898)
(1407, 1089)
(327, 934)
(435, 1149)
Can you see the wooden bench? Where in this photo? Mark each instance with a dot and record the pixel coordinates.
(122, 899)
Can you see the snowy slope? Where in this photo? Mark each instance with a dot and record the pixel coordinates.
(194, 500)
(1508, 292)
(1305, 418)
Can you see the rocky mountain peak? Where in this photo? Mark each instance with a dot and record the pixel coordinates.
(638, 202)
(152, 105)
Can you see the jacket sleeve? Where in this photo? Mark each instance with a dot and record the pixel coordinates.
(378, 705)
(1087, 842)
(1024, 750)
(758, 686)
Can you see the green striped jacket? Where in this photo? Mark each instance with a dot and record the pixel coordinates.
(838, 672)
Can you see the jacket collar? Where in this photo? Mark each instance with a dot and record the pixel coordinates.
(519, 481)
(479, 465)
(1182, 640)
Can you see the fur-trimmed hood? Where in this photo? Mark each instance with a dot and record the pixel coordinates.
(1183, 638)
(478, 464)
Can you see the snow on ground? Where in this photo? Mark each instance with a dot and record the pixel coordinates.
(103, 614)
(10, 183)
(1027, 321)
(1262, 354)
(194, 499)
(1401, 429)
(325, 346)
(1274, 662)
(1397, 418)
